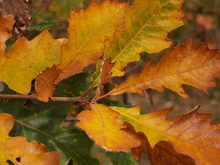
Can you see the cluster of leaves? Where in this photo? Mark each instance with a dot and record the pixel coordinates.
(110, 35)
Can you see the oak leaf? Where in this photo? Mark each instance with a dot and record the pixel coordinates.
(26, 59)
(190, 134)
(184, 65)
(106, 129)
(90, 30)
(147, 26)
(44, 85)
(17, 150)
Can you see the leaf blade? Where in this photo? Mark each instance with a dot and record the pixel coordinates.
(190, 134)
(184, 65)
(147, 26)
(105, 128)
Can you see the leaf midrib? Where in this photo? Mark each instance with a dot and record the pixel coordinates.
(50, 137)
(140, 30)
(141, 83)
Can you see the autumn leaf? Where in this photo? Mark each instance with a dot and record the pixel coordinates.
(105, 71)
(89, 35)
(162, 153)
(147, 26)
(45, 83)
(6, 23)
(17, 150)
(106, 129)
(104, 76)
(190, 134)
(196, 66)
(26, 59)
(89, 31)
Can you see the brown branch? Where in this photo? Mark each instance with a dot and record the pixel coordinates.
(55, 99)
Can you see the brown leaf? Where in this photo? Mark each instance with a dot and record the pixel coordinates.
(190, 134)
(105, 72)
(44, 84)
(196, 66)
(164, 153)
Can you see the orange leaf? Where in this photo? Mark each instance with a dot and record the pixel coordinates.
(6, 23)
(183, 65)
(12, 148)
(162, 153)
(190, 134)
(105, 71)
(44, 84)
(106, 129)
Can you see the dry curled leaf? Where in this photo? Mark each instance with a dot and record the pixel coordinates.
(105, 71)
(106, 129)
(45, 84)
(17, 150)
(196, 66)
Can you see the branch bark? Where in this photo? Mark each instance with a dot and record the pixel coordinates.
(55, 99)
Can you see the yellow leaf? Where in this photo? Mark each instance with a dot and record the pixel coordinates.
(148, 23)
(12, 148)
(184, 65)
(106, 129)
(6, 25)
(89, 31)
(26, 59)
(190, 134)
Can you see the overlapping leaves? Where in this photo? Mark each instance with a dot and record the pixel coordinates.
(119, 33)
(190, 134)
(17, 150)
(87, 38)
(188, 64)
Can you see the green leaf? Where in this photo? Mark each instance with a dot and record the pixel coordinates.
(122, 158)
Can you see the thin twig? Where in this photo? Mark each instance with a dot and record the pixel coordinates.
(55, 99)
